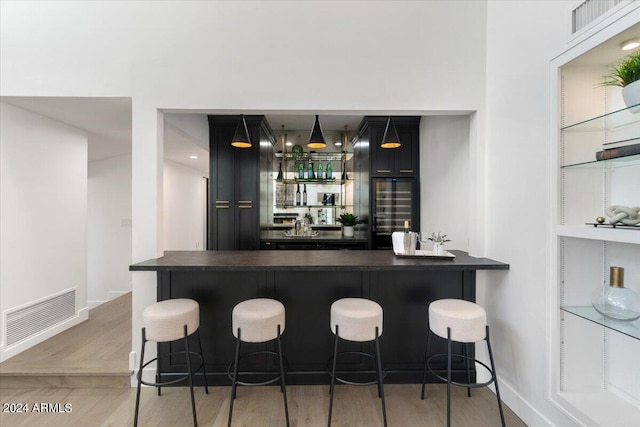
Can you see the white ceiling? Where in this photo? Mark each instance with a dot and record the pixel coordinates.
(108, 123)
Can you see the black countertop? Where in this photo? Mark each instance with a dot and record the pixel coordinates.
(309, 260)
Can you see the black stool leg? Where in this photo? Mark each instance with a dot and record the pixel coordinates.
(448, 377)
(234, 381)
(426, 360)
(188, 354)
(333, 375)
(139, 376)
(380, 385)
(466, 353)
(204, 370)
(282, 382)
(495, 377)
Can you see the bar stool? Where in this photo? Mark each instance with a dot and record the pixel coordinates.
(359, 320)
(167, 321)
(464, 322)
(255, 321)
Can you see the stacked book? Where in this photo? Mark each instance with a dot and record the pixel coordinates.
(620, 151)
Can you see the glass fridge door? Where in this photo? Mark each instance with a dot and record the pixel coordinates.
(394, 202)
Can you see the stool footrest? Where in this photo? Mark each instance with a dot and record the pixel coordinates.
(257, 353)
(177, 380)
(471, 385)
(344, 381)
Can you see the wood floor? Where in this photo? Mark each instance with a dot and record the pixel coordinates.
(84, 405)
(94, 353)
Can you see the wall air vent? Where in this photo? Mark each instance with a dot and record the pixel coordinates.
(35, 318)
(588, 11)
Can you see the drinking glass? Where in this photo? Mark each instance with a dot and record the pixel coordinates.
(423, 238)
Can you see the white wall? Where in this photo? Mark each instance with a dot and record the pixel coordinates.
(108, 229)
(43, 214)
(183, 208)
(522, 37)
(444, 178)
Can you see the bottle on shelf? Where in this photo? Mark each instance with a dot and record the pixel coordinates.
(310, 174)
(300, 171)
(298, 195)
(304, 195)
(320, 171)
(279, 177)
(329, 171)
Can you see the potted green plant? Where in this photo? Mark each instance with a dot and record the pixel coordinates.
(626, 74)
(438, 240)
(348, 221)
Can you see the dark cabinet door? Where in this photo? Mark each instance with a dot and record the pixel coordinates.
(222, 192)
(405, 161)
(382, 158)
(247, 192)
(234, 191)
(401, 161)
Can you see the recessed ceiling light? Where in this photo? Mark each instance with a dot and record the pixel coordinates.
(337, 143)
(193, 157)
(288, 143)
(630, 44)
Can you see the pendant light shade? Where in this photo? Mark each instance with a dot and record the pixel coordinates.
(317, 138)
(241, 135)
(390, 138)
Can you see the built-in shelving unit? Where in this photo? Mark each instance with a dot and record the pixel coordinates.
(339, 186)
(593, 362)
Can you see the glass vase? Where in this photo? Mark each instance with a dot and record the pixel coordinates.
(614, 301)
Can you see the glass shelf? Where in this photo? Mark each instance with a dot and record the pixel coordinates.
(631, 329)
(313, 181)
(306, 156)
(612, 120)
(627, 161)
(312, 206)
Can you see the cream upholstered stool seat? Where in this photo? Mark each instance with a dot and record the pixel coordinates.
(359, 320)
(166, 321)
(255, 321)
(465, 322)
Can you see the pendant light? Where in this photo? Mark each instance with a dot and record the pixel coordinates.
(390, 138)
(241, 136)
(317, 138)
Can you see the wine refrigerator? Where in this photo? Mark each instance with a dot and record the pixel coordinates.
(393, 201)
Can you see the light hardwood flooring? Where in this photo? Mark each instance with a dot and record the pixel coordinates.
(94, 353)
(259, 406)
(99, 349)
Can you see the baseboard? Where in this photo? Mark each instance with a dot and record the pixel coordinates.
(7, 352)
(93, 304)
(111, 295)
(520, 406)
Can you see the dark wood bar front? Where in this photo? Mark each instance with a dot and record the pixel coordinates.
(307, 283)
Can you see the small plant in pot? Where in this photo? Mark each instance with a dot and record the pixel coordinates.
(626, 74)
(348, 221)
(438, 240)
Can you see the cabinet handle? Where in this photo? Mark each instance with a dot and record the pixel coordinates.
(383, 171)
(245, 206)
(222, 201)
(245, 201)
(222, 207)
(406, 170)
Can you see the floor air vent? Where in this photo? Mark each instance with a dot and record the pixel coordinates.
(35, 318)
(588, 11)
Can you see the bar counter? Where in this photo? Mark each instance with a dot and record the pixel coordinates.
(307, 282)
